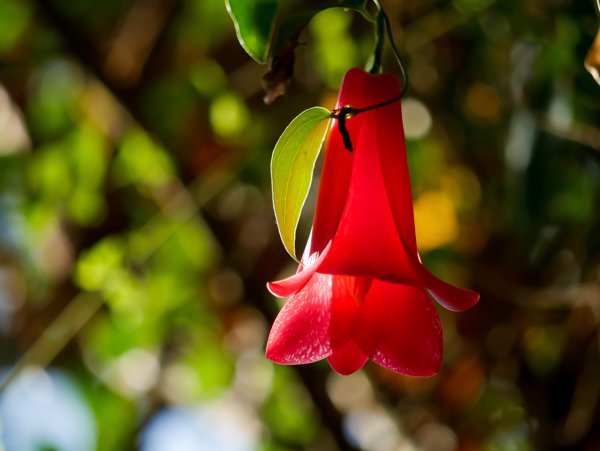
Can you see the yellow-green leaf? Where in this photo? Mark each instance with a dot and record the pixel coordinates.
(292, 168)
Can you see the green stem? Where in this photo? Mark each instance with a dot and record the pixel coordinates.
(388, 27)
(598, 6)
(376, 63)
(383, 23)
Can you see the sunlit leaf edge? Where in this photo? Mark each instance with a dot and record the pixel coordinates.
(246, 30)
(292, 168)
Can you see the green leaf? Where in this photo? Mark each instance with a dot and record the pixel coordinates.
(254, 21)
(292, 167)
(297, 18)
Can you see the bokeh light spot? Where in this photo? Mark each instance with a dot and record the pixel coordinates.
(483, 103)
(416, 117)
(435, 220)
(229, 115)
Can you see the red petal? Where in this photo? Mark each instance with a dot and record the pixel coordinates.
(287, 287)
(358, 89)
(453, 298)
(349, 294)
(385, 126)
(389, 135)
(401, 329)
(362, 89)
(300, 333)
(322, 316)
(333, 188)
(348, 359)
(367, 240)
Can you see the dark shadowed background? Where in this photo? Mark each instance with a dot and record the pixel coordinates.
(137, 233)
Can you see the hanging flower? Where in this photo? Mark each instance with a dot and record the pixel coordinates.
(361, 291)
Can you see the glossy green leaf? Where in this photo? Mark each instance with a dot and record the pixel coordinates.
(254, 21)
(292, 167)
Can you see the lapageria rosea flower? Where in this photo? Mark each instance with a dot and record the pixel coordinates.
(361, 291)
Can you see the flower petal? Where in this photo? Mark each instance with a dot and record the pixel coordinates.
(300, 333)
(400, 329)
(347, 359)
(349, 293)
(367, 241)
(358, 89)
(333, 189)
(451, 297)
(290, 285)
(388, 135)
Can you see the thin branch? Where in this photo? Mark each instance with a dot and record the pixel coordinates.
(152, 16)
(57, 335)
(584, 134)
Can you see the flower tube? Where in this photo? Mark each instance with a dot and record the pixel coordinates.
(361, 291)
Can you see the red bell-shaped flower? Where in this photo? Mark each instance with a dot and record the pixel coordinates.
(361, 291)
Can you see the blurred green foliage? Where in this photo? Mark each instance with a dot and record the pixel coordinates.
(134, 165)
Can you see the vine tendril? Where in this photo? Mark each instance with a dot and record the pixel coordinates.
(348, 111)
(383, 25)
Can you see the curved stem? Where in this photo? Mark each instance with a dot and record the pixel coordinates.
(598, 6)
(383, 21)
(388, 27)
(379, 40)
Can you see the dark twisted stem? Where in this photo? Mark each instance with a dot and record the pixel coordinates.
(348, 111)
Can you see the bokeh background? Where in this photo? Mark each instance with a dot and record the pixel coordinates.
(137, 233)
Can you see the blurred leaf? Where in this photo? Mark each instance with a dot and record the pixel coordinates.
(141, 160)
(113, 434)
(14, 19)
(48, 174)
(193, 244)
(208, 77)
(56, 93)
(70, 172)
(334, 46)
(107, 338)
(292, 167)
(203, 25)
(97, 265)
(288, 411)
(215, 367)
(88, 160)
(559, 56)
(168, 103)
(184, 247)
(85, 206)
(254, 21)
